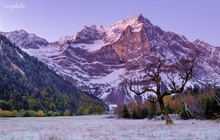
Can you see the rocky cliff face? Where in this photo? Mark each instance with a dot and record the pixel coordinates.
(99, 60)
(209, 64)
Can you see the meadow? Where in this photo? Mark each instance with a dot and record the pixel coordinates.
(105, 127)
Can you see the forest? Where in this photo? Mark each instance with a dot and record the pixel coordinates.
(29, 88)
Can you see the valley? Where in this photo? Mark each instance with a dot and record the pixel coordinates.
(109, 70)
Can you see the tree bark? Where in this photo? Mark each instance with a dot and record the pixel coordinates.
(164, 112)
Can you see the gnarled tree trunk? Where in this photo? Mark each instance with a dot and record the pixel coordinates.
(164, 112)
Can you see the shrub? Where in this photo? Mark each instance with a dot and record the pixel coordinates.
(80, 110)
(32, 113)
(118, 110)
(99, 109)
(40, 113)
(23, 113)
(159, 113)
(49, 113)
(66, 113)
(15, 113)
(55, 114)
(169, 109)
(89, 110)
(4, 113)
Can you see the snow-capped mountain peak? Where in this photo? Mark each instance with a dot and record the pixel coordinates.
(201, 43)
(65, 39)
(25, 39)
(97, 33)
(99, 60)
(135, 24)
(89, 34)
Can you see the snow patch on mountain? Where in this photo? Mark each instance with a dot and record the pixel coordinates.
(47, 51)
(96, 45)
(113, 78)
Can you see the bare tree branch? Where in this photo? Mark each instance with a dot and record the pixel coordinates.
(140, 92)
(151, 101)
(188, 74)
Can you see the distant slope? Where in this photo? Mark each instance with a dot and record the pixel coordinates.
(26, 83)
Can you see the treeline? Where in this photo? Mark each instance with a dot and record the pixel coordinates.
(90, 110)
(193, 103)
(40, 113)
(138, 110)
(28, 84)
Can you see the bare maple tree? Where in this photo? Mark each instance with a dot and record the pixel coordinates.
(210, 90)
(191, 105)
(176, 76)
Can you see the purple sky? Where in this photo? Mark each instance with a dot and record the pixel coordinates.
(52, 19)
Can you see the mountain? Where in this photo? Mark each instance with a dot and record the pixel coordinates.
(209, 64)
(26, 83)
(98, 60)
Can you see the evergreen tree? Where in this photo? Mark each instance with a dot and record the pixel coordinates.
(134, 114)
(153, 110)
(143, 113)
(125, 113)
(207, 108)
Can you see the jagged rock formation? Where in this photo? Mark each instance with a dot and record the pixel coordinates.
(98, 60)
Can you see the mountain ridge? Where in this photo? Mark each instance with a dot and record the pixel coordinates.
(97, 59)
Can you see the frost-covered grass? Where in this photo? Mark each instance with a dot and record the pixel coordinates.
(102, 127)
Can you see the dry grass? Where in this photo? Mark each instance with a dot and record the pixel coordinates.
(103, 128)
